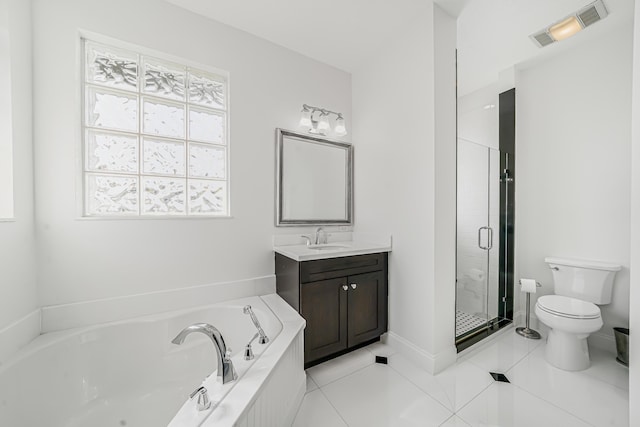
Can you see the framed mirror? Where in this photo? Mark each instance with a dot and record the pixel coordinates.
(314, 180)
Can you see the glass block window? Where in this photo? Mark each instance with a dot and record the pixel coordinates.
(155, 136)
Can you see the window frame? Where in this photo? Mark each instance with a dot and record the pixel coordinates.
(84, 38)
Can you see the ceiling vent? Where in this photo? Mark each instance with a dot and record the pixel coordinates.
(543, 38)
(571, 24)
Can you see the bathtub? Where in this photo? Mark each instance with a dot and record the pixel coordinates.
(129, 374)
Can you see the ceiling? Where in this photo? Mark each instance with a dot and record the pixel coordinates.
(342, 33)
(493, 35)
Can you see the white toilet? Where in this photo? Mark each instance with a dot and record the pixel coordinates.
(572, 313)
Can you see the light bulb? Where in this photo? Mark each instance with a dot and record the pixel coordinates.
(340, 128)
(565, 29)
(305, 119)
(323, 123)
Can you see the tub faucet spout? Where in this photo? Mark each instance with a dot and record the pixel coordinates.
(226, 371)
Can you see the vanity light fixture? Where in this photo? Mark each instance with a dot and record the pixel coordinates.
(571, 24)
(320, 124)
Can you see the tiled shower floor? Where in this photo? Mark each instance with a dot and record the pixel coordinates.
(466, 322)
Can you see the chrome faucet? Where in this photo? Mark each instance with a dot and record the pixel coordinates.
(202, 403)
(318, 239)
(226, 371)
(248, 351)
(263, 337)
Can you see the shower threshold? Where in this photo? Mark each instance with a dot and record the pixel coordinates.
(472, 336)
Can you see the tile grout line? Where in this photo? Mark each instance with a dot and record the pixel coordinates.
(344, 376)
(418, 387)
(524, 356)
(578, 373)
(553, 404)
(545, 400)
(424, 392)
(332, 405)
(398, 373)
(472, 399)
(455, 415)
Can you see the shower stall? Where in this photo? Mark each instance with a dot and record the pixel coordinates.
(485, 220)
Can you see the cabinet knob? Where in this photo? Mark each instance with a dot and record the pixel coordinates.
(353, 286)
(345, 287)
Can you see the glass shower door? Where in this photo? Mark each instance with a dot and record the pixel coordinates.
(478, 199)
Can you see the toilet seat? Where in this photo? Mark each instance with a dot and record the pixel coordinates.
(571, 308)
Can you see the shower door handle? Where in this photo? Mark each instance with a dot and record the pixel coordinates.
(480, 239)
(489, 238)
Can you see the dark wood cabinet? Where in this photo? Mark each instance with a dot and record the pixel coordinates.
(323, 304)
(343, 300)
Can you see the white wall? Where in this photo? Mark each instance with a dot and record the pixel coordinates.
(442, 308)
(395, 182)
(85, 259)
(634, 298)
(572, 164)
(6, 141)
(17, 253)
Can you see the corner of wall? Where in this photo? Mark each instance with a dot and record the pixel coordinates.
(432, 363)
(443, 308)
(634, 298)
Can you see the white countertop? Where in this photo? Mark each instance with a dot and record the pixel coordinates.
(334, 249)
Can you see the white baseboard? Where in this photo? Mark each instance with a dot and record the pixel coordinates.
(86, 313)
(432, 363)
(18, 334)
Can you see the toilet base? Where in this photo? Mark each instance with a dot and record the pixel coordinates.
(566, 351)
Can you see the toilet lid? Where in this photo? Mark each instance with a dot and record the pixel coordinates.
(568, 307)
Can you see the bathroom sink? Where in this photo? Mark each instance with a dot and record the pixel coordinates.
(327, 247)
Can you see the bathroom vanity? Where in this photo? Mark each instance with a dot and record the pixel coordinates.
(342, 296)
(340, 288)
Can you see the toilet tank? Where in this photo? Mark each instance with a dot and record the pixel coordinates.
(586, 280)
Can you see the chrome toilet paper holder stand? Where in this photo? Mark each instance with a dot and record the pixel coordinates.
(527, 332)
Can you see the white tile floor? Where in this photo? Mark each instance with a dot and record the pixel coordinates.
(353, 390)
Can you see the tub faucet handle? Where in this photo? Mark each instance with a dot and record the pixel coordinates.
(248, 352)
(203, 403)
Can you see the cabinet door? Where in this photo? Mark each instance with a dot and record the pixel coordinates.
(367, 316)
(324, 307)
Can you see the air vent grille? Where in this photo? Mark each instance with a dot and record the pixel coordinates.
(589, 16)
(543, 39)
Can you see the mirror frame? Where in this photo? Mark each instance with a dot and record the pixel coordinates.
(281, 222)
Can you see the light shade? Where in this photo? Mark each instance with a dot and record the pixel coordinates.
(323, 123)
(340, 128)
(305, 119)
(565, 29)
